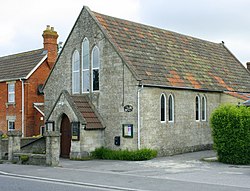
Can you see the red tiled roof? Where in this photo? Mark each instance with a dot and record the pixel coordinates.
(161, 57)
(88, 112)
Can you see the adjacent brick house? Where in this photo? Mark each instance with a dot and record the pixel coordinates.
(21, 79)
(125, 85)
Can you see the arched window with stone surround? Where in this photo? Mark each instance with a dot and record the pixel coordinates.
(95, 68)
(197, 108)
(203, 108)
(171, 108)
(85, 66)
(163, 108)
(76, 72)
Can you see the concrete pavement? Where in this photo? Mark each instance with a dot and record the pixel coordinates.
(180, 170)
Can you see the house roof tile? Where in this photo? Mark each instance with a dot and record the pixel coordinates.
(165, 58)
(88, 112)
(20, 65)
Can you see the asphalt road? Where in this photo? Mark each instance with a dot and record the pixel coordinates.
(180, 172)
(9, 183)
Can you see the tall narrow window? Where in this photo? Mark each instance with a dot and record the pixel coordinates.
(163, 108)
(76, 72)
(11, 93)
(203, 108)
(85, 65)
(95, 68)
(11, 125)
(197, 108)
(171, 108)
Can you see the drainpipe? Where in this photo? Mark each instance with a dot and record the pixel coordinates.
(22, 107)
(139, 118)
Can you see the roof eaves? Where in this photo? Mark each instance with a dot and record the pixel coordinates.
(92, 129)
(10, 79)
(39, 64)
(38, 109)
(181, 88)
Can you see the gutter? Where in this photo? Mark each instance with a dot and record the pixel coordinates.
(139, 118)
(22, 80)
(182, 88)
(11, 79)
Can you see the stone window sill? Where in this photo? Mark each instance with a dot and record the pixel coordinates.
(9, 104)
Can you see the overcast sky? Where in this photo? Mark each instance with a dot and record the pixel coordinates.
(23, 21)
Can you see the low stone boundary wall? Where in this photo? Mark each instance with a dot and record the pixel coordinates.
(4, 149)
(36, 151)
(33, 145)
(28, 145)
(29, 158)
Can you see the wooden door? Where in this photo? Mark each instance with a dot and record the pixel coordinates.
(65, 137)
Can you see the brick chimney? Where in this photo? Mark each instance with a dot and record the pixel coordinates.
(248, 66)
(50, 44)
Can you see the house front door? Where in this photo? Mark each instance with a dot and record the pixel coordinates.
(65, 137)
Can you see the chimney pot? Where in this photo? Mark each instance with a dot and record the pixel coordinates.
(50, 44)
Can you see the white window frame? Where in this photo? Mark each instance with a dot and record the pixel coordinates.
(204, 106)
(96, 68)
(172, 112)
(85, 70)
(74, 72)
(164, 116)
(11, 121)
(199, 108)
(11, 93)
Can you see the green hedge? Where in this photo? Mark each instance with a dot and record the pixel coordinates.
(231, 133)
(137, 155)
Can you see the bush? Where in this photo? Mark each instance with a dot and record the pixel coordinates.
(4, 136)
(231, 134)
(24, 158)
(137, 155)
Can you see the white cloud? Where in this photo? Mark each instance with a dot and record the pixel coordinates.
(6, 36)
(126, 9)
(23, 21)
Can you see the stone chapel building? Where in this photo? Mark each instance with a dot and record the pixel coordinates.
(125, 85)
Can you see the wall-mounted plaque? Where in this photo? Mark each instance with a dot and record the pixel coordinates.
(75, 127)
(128, 108)
(127, 130)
